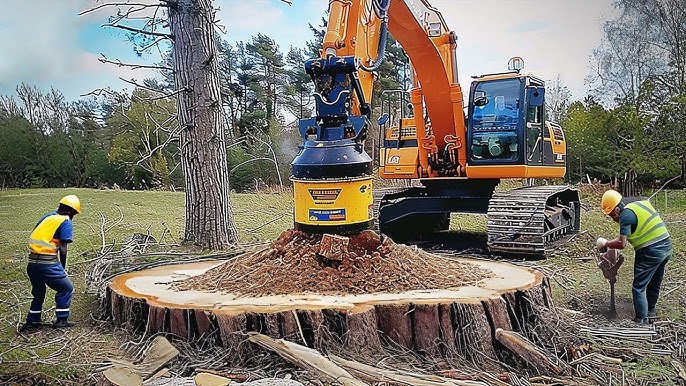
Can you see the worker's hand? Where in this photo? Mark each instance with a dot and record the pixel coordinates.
(601, 244)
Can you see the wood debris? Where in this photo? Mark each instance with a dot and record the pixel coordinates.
(306, 358)
(339, 369)
(531, 353)
(158, 354)
(294, 264)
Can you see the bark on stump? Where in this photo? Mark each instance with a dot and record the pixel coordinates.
(459, 322)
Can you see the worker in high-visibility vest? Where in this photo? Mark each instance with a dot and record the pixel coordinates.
(640, 225)
(48, 261)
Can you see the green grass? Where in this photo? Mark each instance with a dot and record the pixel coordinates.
(109, 216)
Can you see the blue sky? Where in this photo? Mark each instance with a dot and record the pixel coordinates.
(45, 43)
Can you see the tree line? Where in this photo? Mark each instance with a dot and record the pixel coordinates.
(114, 139)
(639, 70)
(633, 117)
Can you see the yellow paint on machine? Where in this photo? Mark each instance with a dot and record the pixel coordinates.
(333, 202)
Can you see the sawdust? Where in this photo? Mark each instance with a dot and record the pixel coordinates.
(292, 265)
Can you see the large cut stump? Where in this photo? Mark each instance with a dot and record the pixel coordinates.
(377, 293)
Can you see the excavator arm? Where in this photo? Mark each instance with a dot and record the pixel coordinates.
(356, 34)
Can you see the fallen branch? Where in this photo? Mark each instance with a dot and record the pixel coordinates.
(374, 374)
(306, 358)
(159, 353)
(526, 350)
(641, 334)
(595, 355)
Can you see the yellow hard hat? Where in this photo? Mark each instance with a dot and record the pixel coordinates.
(72, 201)
(610, 200)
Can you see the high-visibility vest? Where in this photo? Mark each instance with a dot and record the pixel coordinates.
(41, 240)
(650, 228)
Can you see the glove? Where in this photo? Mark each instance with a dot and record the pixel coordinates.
(601, 244)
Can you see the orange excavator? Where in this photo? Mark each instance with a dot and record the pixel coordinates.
(457, 156)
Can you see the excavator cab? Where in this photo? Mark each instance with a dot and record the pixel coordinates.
(506, 127)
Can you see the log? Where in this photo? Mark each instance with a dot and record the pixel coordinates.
(532, 354)
(306, 358)
(459, 322)
(377, 375)
(158, 353)
(120, 377)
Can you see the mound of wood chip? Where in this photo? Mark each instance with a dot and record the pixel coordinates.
(301, 263)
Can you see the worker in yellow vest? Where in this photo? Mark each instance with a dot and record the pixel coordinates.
(640, 224)
(48, 261)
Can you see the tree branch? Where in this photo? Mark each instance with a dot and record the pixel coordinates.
(162, 96)
(141, 31)
(119, 63)
(142, 5)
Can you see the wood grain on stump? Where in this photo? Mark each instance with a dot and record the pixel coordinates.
(459, 317)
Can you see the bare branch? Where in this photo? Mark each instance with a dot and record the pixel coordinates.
(142, 5)
(119, 63)
(151, 45)
(172, 137)
(141, 31)
(161, 96)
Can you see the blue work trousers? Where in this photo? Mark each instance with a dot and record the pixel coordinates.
(53, 276)
(649, 269)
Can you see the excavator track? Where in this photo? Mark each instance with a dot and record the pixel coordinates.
(531, 220)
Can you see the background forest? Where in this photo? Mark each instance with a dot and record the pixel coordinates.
(634, 114)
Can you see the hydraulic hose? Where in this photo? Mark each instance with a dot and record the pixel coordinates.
(381, 10)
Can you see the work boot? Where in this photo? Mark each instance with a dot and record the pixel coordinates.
(62, 323)
(28, 326)
(640, 321)
(652, 314)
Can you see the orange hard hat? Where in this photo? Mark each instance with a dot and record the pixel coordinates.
(611, 199)
(72, 201)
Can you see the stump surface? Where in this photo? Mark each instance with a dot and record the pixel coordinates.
(378, 291)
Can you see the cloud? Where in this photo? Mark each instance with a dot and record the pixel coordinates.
(288, 25)
(42, 43)
(35, 39)
(554, 37)
(530, 26)
(46, 43)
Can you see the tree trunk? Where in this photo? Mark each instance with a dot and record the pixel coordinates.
(209, 219)
(459, 323)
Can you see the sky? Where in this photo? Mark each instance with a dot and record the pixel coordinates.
(47, 44)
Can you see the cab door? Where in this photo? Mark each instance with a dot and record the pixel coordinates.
(534, 126)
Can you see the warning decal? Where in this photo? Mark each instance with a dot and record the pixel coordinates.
(327, 215)
(324, 194)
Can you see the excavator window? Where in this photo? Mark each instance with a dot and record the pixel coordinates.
(533, 114)
(500, 108)
(495, 121)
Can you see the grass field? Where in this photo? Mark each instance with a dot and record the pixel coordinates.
(109, 216)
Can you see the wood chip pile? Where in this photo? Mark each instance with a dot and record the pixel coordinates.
(294, 264)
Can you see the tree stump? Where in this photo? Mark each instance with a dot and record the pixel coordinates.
(459, 321)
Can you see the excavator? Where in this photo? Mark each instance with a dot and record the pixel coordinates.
(455, 154)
